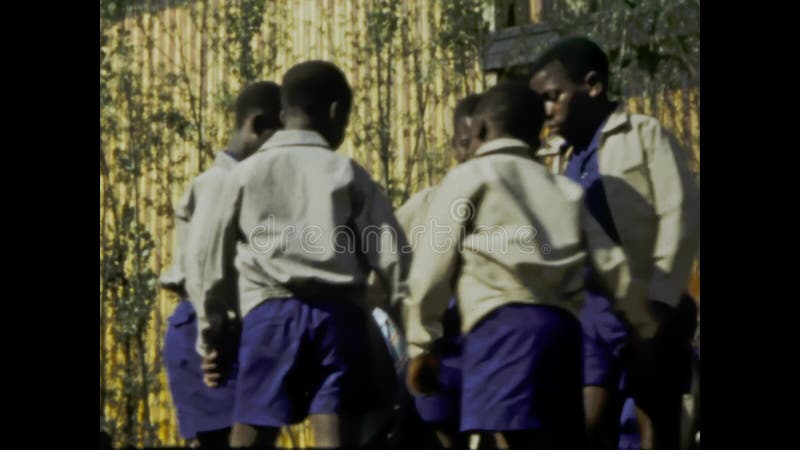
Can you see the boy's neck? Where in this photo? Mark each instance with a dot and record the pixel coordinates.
(235, 147)
(298, 122)
(583, 138)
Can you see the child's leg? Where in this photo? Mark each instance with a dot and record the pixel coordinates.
(247, 436)
(271, 378)
(604, 337)
(603, 407)
(659, 423)
(441, 411)
(199, 408)
(339, 366)
(332, 430)
(523, 439)
(658, 386)
(214, 439)
(450, 438)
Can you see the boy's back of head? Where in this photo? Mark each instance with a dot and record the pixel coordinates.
(509, 109)
(462, 125)
(258, 110)
(263, 98)
(316, 95)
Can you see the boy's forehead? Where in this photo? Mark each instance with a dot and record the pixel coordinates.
(464, 121)
(552, 74)
(463, 124)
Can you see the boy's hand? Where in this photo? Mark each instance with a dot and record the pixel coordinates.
(210, 373)
(222, 347)
(422, 375)
(643, 354)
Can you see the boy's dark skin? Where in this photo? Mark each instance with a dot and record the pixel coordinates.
(224, 339)
(422, 371)
(330, 430)
(244, 142)
(575, 110)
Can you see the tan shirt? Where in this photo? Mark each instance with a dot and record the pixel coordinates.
(653, 197)
(410, 215)
(501, 229)
(195, 207)
(298, 219)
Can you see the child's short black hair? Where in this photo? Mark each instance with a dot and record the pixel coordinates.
(263, 96)
(312, 86)
(513, 108)
(465, 107)
(578, 55)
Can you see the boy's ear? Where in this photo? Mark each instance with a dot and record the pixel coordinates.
(333, 110)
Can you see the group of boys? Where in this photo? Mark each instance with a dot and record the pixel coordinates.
(537, 286)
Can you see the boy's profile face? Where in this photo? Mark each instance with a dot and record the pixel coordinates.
(255, 132)
(339, 118)
(331, 122)
(565, 102)
(461, 138)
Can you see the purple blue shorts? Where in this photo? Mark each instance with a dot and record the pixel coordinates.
(298, 358)
(522, 370)
(199, 407)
